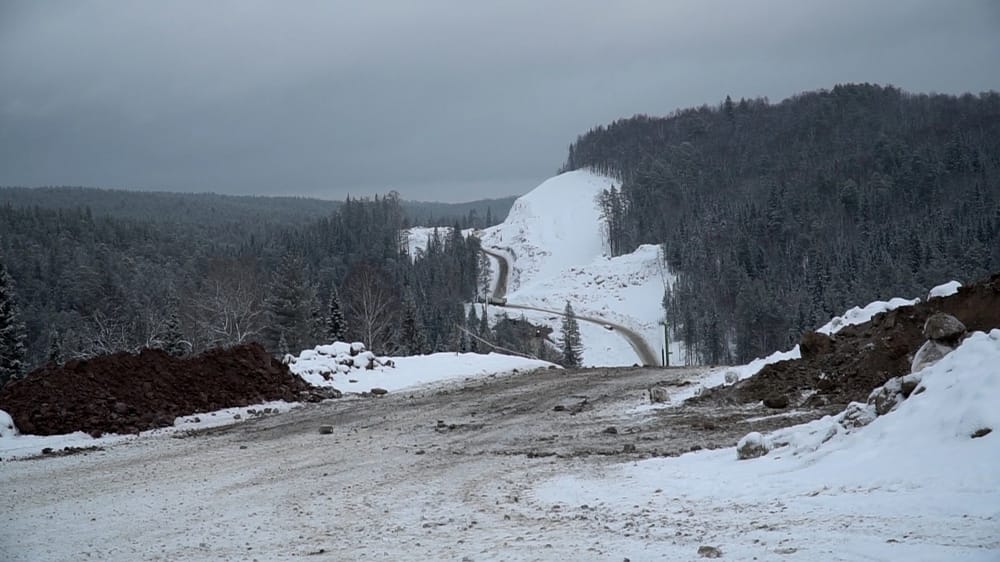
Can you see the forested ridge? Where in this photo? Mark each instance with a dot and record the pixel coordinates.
(98, 271)
(776, 217)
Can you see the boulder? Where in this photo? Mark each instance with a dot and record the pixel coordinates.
(928, 354)
(732, 377)
(944, 328)
(814, 344)
(751, 446)
(659, 395)
(886, 397)
(776, 402)
(856, 415)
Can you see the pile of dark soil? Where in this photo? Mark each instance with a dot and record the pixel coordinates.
(125, 393)
(859, 358)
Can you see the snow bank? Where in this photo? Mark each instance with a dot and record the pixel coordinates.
(912, 484)
(861, 315)
(349, 368)
(944, 290)
(7, 427)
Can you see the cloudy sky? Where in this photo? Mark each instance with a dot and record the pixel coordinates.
(439, 99)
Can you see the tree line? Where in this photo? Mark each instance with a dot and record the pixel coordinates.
(776, 217)
(77, 284)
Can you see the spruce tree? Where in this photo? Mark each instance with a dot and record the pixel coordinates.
(172, 339)
(336, 328)
(411, 330)
(571, 348)
(55, 353)
(12, 332)
(472, 323)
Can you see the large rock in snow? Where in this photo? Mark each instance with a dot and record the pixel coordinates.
(751, 446)
(928, 354)
(944, 328)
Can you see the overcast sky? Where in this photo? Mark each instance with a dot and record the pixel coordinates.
(440, 100)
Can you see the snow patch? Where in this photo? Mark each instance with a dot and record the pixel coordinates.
(944, 290)
(861, 315)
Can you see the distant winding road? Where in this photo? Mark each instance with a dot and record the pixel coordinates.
(645, 353)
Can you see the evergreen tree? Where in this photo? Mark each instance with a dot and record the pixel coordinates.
(484, 331)
(412, 340)
(571, 346)
(12, 332)
(55, 353)
(472, 324)
(336, 329)
(290, 305)
(172, 339)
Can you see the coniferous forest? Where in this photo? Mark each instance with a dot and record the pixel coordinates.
(188, 272)
(776, 217)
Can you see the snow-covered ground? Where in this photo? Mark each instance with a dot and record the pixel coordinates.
(913, 485)
(334, 365)
(555, 243)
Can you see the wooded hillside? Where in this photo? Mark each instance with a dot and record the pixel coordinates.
(778, 216)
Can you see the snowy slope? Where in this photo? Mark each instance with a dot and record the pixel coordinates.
(554, 240)
(912, 485)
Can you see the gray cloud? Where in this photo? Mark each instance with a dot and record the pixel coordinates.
(437, 99)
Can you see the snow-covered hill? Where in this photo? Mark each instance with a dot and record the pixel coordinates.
(554, 240)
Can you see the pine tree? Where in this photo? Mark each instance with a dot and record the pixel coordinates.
(55, 353)
(570, 338)
(172, 339)
(12, 332)
(472, 323)
(411, 330)
(336, 328)
(290, 304)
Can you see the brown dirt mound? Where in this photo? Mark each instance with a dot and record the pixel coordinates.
(125, 393)
(859, 358)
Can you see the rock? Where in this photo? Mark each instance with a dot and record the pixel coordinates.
(379, 391)
(909, 383)
(776, 402)
(944, 328)
(706, 551)
(857, 415)
(751, 446)
(928, 354)
(325, 429)
(981, 432)
(611, 430)
(559, 408)
(732, 377)
(886, 397)
(629, 448)
(659, 395)
(814, 344)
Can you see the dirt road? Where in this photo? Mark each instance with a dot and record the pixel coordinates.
(443, 473)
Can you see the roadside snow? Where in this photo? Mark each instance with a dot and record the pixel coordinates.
(333, 365)
(912, 485)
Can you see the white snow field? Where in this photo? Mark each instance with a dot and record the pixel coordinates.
(554, 241)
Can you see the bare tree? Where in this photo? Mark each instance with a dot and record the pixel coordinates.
(230, 309)
(372, 306)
